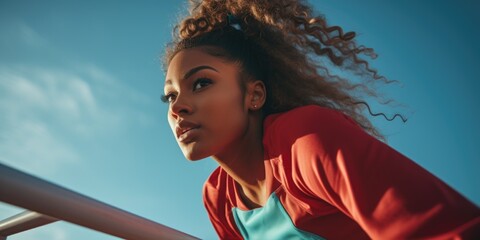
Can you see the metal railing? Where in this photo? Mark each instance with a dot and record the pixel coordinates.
(48, 203)
(22, 222)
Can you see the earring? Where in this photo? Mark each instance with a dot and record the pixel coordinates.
(255, 106)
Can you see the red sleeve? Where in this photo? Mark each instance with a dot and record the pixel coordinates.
(219, 211)
(330, 157)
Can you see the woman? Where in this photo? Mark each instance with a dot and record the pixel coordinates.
(248, 83)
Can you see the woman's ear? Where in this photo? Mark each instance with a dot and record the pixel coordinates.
(256, 95)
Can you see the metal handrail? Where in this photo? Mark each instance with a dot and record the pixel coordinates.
(29, 192)
(22, 222)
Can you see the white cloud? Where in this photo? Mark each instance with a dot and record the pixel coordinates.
(32, 145)
(44, 111)
(110, 86)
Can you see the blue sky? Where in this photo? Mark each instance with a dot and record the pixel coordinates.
(80, 85)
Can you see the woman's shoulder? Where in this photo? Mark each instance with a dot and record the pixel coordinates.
(306, 119)
(306, 114)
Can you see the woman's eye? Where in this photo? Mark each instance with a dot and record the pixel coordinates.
(168, 98)
(201, 83)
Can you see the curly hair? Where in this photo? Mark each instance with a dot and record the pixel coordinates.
(291, 50)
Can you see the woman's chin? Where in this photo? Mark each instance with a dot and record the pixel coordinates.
(194, 155)
(194, 159)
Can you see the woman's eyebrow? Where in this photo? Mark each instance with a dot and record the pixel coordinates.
(192, 71)
(196, 69)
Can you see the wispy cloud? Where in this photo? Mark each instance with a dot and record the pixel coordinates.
(19, 32)
(29, 35)
(45, 110)
(30, 144)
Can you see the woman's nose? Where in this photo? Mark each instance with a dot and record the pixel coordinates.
(180, 106)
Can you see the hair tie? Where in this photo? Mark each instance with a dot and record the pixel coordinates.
(234, 22)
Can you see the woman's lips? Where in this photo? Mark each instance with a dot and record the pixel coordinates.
(185, 130)
(187, 134)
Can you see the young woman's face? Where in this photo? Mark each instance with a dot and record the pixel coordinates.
(207, 112)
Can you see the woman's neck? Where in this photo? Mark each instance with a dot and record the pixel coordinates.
(244, 162)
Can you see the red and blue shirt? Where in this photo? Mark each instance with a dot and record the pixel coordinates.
(329, 179)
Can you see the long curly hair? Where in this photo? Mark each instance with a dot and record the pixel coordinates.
(285, 45)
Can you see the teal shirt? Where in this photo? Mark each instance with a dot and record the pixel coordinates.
(269, 222)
